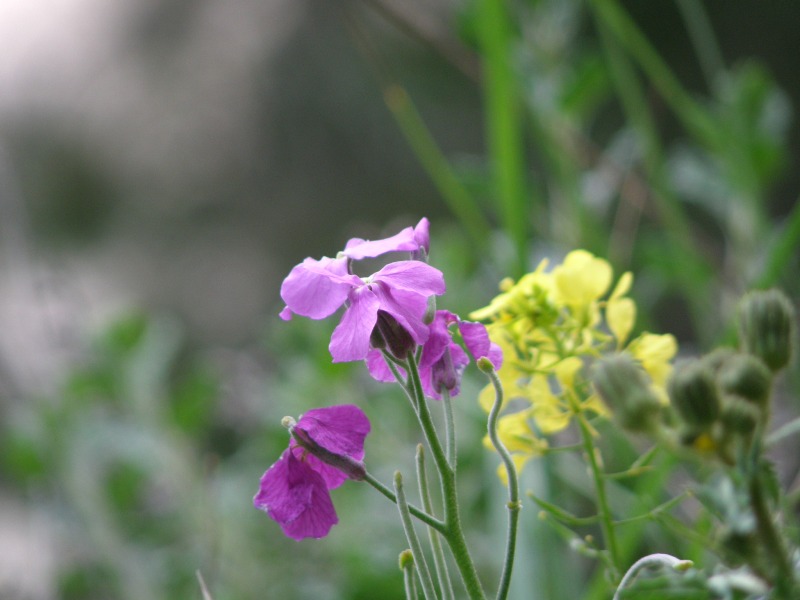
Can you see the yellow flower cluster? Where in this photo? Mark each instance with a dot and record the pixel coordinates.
(549, 325)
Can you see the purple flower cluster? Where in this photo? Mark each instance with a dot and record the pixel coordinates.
(386, 310)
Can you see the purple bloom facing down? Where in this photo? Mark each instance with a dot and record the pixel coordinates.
(317, 288)
(294, 491)
(408, 240)
(443, 361)
(339, 430)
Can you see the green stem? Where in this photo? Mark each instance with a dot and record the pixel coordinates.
(409, 583)
(423, 516)
(424, 574)
(454, 533)
(449, 429)
(439, 562)
(603, 509)
(514, 504)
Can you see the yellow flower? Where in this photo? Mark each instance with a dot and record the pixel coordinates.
(550, 324)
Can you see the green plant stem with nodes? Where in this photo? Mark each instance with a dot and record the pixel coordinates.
(514, 504)
(453, 533)
(439, 562)
(603, 509)
(423, 573)
(772, 541)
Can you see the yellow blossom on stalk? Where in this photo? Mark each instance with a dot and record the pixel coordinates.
(550, 324)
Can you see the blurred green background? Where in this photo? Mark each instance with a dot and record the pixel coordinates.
(163, 164)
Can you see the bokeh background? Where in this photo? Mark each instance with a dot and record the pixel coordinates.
(163, 164)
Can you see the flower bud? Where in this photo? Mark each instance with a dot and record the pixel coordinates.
(767, 324)
(739, 416)
(354, 469)
(406, 559)
(693, 393)
(624, 386)
(746, 376)
(389, 334)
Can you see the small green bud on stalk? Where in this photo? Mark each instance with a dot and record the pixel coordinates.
(739, 416)
(767, 326)
(694, 395)
(406, 559)
(746, 376)
(624, 386)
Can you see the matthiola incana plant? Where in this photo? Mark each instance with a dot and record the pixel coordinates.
(564, 365)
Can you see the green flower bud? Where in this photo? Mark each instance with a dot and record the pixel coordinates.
(693, 393)
(714, 360)
(767, 324)
(746, 376)
(624, 386)
(739, 416)
(406, 559)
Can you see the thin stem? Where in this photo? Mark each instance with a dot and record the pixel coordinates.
(449, 429)
(409, 583)
(454, 533)
(439, 562)
(603, 509)
(423, 573)
(514, 504)
(702, 36)
(649, 562)
(423, 516)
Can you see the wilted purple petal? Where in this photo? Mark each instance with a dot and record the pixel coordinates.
(296, 497)
(478, 343)
(350, 339)
(317, 288)
(339, 429)
(439, 338)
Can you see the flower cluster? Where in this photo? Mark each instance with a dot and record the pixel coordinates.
(549, 324)
(387, 316)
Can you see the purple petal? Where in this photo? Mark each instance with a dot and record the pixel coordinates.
(478, 343)
(447, 371)
(407, 307)
(377, 367)
(296, 497)
(350, 339)
(414, 276)
(422, 234)
(317, 288)
(340, 429)
(405, 241)
(439, 338)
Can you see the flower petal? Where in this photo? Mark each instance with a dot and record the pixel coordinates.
(358, 249)
(296, 497)
(478, 343)
(350, 339)
(414, 276)
(378, 369)
(407, 307)
(317, 288)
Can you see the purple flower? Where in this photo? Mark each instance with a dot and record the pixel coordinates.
(443, 361)
(294, 491)
(317, 288)
(411, 239)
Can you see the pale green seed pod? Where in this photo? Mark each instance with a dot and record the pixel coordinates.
(746, 376)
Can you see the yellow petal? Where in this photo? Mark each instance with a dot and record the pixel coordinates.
(582, 278)
(620, 316)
